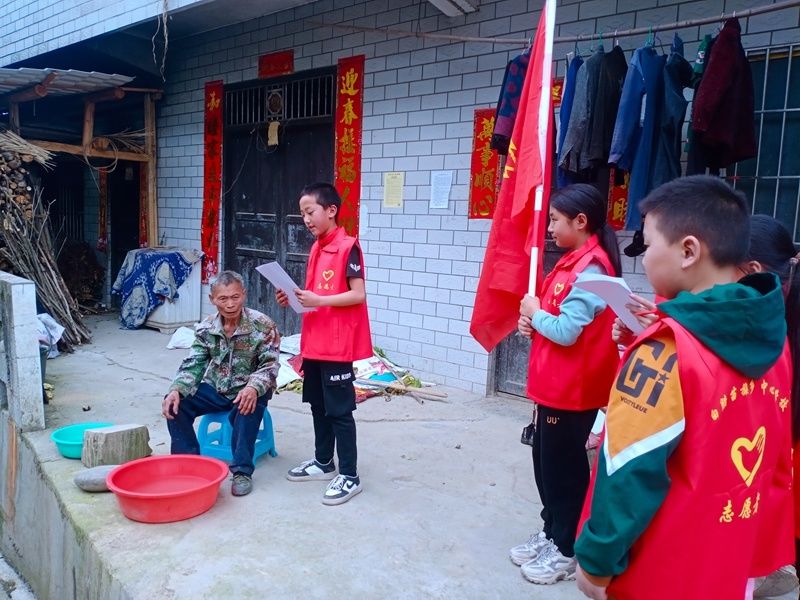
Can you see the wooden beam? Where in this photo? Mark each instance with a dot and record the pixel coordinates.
(34, 92)
(116, 93)
(144, 90)
(13, 116)
(88, 123)
(150, 150)
(90, 152)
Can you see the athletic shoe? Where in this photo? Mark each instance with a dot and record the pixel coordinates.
(242, 484)
(526, 552)
(311, 470)
(549, 567)
(341, 489)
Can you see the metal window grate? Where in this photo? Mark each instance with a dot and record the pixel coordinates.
(771, 180)
(308, 98)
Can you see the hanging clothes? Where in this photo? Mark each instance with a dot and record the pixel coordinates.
(677, 76)
(565, 178)
(613, 69)
(508, 102)
(696, 154)
(723, 113)
(575, 156)
(637, 125)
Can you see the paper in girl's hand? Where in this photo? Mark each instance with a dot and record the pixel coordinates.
(615, 292)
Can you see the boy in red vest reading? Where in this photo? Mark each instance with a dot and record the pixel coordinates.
(333, 336)
(692, 491)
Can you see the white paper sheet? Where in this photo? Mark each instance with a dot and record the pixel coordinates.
(441, 182)
(615, 292)
(282, 281)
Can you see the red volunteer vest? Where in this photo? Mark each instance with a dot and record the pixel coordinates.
(331, 333)
(728, 514)
(796, 485)
(577, 377)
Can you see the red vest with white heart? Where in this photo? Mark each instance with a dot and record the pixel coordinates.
(729, 511)
(577, 377)
(334, 333)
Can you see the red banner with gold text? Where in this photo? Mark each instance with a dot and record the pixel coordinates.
(275, 64)
(143, 206)
(212, 178)
(349, 115)
(483, 171)
(102, 210)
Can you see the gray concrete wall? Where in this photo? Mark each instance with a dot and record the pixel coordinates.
(20, 374)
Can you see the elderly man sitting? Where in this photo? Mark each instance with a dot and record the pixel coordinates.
(233, 363)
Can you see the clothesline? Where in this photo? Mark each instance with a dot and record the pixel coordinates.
(574, 38)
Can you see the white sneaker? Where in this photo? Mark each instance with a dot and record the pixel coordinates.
(341, 489)
(549, 567)
(311, 470)
(523, 553)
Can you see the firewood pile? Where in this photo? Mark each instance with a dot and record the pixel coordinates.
(26, 247)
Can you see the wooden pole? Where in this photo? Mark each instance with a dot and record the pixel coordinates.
(150, 151)
(89, 151)
(88, 123)
(13, 115)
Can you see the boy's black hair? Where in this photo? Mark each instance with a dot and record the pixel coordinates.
(325, 194)
(707, 208)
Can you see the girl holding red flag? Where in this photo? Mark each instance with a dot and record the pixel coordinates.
(572, 366)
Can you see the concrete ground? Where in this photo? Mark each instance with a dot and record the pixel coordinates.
(448, 489)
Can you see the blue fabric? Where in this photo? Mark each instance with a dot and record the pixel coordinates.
(564, 177)
(578, 309)
(146, 278)
(636, 131)
(245, 427)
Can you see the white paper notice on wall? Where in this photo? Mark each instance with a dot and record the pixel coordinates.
(393, 189)
(615, 292)
(441, 182)
(283, 281)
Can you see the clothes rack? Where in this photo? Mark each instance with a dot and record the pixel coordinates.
(750, 12)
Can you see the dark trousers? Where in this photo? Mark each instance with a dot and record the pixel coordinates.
(561, 470)
(245, 427)
(328, 388)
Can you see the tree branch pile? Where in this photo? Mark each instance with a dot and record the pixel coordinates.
(25, 242)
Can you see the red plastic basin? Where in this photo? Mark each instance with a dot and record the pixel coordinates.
(161, 489)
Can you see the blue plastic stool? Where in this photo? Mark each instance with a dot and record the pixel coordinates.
(216, 442)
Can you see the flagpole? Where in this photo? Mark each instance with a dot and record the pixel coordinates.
(545, 108)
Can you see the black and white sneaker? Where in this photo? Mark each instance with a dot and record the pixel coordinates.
(341, 489)
(311, 470)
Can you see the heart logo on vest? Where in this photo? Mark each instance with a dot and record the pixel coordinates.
(745, 449)
(559, 287)
(327, 275)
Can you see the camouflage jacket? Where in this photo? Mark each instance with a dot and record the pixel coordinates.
(249, 357)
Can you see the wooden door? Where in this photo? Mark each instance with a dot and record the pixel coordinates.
(262, 184)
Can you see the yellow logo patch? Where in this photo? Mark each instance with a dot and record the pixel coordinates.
(328, 275)
(743, 446)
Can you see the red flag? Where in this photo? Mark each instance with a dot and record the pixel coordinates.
(512, 263)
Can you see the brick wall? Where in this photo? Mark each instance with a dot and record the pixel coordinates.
(33, 27)
(423, 264)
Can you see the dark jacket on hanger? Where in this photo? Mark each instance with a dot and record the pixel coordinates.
(575, 156)
(508, 103)
(609, 89)
(677, 76)
(637, 125)
(564, 178)
(723, 112)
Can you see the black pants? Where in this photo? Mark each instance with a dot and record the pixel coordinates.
(328, 388)
(561, 470)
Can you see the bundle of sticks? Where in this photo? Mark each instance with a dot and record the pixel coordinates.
(25, 241)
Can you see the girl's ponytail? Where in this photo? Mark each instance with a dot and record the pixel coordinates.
(608, 240)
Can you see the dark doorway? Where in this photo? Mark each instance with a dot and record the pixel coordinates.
(123, 214)
(262, 182)
(62, 190)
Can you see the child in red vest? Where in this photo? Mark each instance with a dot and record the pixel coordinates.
(572, 364)
(333, 336)
(692, 491)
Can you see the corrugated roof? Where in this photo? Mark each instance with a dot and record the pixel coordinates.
(67, 81)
